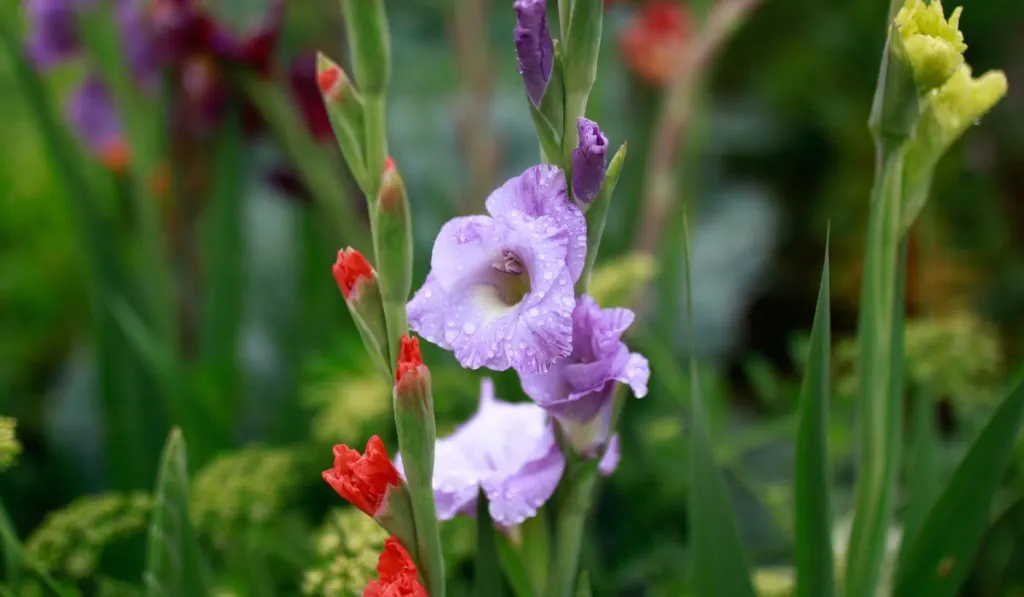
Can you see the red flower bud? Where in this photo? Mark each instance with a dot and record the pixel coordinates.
(349, 268)
(396, 574)
(409, 358)
(363, 479)
(655, 43)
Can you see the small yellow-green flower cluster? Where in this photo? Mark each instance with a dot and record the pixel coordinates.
(72, 539)
(347, 407)
(774, 582)
(955, 356)
(934, 47)
(251, 486)
(9, 446)
(347, 547)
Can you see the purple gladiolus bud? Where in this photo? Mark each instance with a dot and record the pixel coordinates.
(588, 161)
(94, 118)
(500, 290)
(535, 52)
(53, 34)
(579, 390)
(508, 450)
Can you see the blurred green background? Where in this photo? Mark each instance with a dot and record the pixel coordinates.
(778, 152)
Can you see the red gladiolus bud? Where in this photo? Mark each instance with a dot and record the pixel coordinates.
(409, 358)
(655, 43)
(396, 574)
(349, 269)
(363, 479)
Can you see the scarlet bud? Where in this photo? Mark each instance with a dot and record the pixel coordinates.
(396, 574)
(349, 269)
(363, 479)
(409, 358)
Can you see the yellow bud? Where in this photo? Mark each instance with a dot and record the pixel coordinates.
(962, 100)
(933, 45)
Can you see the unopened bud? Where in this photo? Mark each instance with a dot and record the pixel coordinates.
(535, 51)
(392, 242)
(345, 111)
(933, 45)
(588, 161)
(358, 284)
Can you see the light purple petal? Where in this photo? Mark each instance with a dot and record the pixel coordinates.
(53, 35)
(637, 373)
(610, 460)
(509, 450)
(541, 191)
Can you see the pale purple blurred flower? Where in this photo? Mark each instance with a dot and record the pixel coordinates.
(588, 161)
(500, 290)
(579, 390)
(508, 450)
(52, 31)
(535, 51)
(93, 115)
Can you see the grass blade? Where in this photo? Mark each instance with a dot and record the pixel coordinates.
(719, 563)
(814, 560)
(939, 556)
(922, 475)
(486, 569)
(174, 567)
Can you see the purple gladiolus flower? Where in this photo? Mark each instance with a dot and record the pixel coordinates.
(579, 390)
(94, 117)
(53, 31)
(535, 52)
(500, 290)
(588, 163)
(508, 450)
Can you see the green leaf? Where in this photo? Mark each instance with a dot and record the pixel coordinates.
(597, 214)
(814, 560)
(174, 566)
(486, 570)
(922, 475)
(583, 585)
(513, 563)
(940, 555)
(550, 142)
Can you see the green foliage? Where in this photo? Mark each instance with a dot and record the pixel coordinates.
(347, 405)
(72, 541)
(250, 487)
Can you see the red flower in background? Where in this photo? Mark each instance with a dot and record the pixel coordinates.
(362, 479)
(396, 574)
(656, 41)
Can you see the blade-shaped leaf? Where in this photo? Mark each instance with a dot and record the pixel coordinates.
(583, 585)
(486, 570)
(174, 566)
(814, 563)
(939, 556)
(922, 475)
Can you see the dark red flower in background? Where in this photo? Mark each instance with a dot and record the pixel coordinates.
(656, 41)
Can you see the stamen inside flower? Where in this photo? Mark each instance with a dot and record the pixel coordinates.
(505, 287)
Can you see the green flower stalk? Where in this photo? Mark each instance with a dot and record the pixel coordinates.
(414, 418)
(924, 101)
(9, 445)
(581, 48)
(360, 286)
(345, 110)
(366, 24)
(392, 243)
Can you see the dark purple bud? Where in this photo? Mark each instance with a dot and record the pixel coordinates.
(588, 163)
(535, 52)
(53, 35)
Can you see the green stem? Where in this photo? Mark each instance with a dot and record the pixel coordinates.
(569, 527)
(879, 402)
(575, 107)
(376, 143)
(564, 9)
